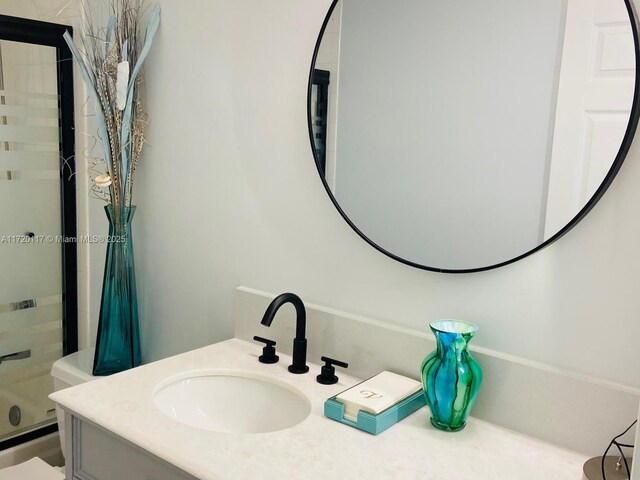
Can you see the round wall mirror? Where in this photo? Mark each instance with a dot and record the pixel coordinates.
(458, 137)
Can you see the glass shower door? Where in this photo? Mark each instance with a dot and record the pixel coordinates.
(31, 251)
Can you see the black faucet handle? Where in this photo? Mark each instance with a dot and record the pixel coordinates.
(266, 341)
(269, 350)
(330, 361)
(328, 372)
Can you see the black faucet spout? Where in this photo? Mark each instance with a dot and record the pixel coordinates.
(299, 362)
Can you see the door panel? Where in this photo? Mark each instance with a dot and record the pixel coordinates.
(594, 104)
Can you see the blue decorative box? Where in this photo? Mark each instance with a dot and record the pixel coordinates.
(375, 424)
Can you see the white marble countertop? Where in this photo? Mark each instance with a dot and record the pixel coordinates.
(317, 448)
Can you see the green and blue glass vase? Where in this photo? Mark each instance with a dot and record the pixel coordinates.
(451, 377)
(118, 340)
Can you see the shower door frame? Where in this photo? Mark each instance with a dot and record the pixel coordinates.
(36, 32)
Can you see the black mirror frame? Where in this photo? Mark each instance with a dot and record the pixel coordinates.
(613, 171)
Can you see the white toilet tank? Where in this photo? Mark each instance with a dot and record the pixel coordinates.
(67, 372)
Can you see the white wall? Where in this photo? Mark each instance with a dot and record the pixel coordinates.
(228, 194)
(446, 123)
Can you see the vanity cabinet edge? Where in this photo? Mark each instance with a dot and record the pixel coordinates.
(95, 453)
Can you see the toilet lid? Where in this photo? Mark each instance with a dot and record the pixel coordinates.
(34, 469)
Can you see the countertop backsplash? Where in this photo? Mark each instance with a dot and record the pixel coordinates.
(562, 407)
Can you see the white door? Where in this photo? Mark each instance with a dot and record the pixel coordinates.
(594, 102)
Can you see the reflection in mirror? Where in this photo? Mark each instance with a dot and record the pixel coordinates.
(459, 136)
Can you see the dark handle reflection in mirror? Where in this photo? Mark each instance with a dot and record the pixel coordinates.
(319, 115)
(453, 142)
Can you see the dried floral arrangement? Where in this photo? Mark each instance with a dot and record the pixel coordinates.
(110, 59)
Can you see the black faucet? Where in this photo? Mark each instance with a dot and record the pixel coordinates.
(299, 363)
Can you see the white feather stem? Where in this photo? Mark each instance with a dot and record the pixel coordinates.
(122, 84)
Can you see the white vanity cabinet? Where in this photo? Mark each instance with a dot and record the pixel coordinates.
(93, 453)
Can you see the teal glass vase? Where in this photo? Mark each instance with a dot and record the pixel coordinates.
(451, 377)
(118, 340)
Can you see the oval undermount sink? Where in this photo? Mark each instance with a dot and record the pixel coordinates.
(232, 403)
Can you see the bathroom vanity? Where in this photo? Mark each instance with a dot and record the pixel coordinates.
(119, 431)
